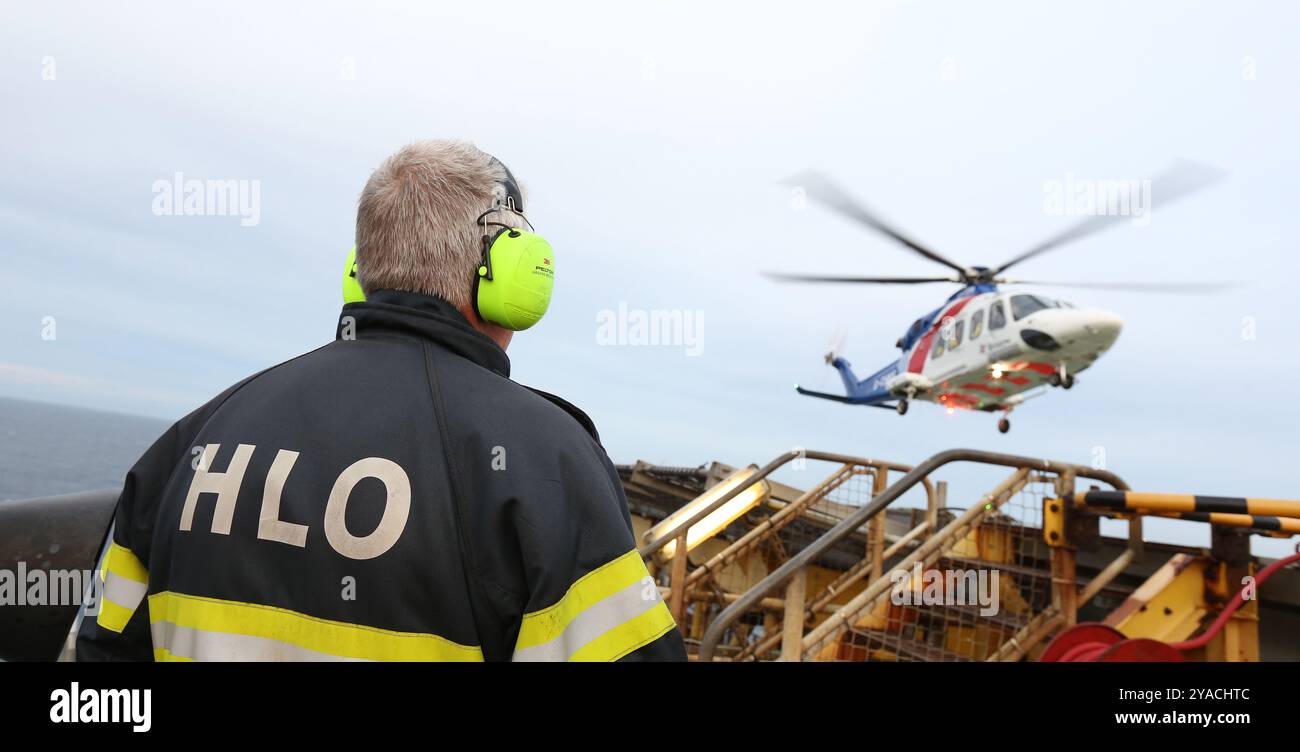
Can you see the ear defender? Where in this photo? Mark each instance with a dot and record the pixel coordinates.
(512, 286)
(352, 292)
(514, 279)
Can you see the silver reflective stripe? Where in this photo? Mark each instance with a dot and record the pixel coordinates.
(124, 592)
(596, 620)
(202, 645)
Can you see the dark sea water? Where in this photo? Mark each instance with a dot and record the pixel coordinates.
(50, 449)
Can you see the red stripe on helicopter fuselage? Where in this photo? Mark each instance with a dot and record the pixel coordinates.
(996, 391)
(1045, 369)
(917, 361)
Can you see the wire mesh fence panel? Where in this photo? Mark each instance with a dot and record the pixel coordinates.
(979, 590)
(763, 540)
(829, 510)
(968, 584)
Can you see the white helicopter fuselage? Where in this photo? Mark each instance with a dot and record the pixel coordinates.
(986, 351)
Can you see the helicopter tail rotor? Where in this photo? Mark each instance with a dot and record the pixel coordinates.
(836, 345)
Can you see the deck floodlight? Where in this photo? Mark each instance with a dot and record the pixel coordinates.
(718, 519)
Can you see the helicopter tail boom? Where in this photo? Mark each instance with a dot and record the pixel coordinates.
(868, 391)
(841, 398)
(846, 375)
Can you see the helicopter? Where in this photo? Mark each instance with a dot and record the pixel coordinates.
(984, 348)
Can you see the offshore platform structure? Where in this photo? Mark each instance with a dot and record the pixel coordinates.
(873, 563)
(756, 570)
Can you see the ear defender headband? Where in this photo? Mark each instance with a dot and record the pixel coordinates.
(515, 276)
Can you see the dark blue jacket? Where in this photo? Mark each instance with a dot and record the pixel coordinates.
(390, 496)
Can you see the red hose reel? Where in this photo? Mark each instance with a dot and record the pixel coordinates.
(1096, 642)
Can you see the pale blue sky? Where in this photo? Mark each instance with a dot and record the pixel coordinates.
(652, 138)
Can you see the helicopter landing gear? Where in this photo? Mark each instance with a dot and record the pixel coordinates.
(1004, 425)
(902, 407)
(1064, 383)
(1061, 378)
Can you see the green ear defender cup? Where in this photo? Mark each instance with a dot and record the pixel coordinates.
(352, 292)
(512, 287)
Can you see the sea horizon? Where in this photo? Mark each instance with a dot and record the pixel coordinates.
(50, 448)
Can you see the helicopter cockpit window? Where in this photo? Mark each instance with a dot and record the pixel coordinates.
(957, 330)
(1024, 305)
(977, 324)
(938, 348)
(997, 315)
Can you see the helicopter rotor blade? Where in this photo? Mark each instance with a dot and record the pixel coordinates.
(1182, 179)
(1171, 288)
(782, 277)
(826, 192)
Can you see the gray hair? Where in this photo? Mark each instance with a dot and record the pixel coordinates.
(416, 227)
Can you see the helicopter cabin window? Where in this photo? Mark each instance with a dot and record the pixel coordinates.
(977, 324)
(1024, 305)
(938, 348)
(957, 330)
(997, 315)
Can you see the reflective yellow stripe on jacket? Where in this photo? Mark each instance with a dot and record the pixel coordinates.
(188, 627)
(604, 616)
(125, 583)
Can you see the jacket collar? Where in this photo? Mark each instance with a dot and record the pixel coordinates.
(427, 317)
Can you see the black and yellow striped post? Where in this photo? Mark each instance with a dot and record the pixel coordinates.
(1264, 514)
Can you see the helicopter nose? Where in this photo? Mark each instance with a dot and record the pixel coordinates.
(1104, 326)
(1093, 329)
